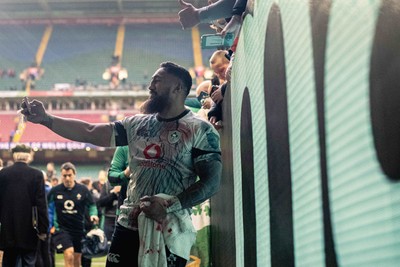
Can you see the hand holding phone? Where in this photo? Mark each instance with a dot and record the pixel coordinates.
(209, 41)
(202, 96)
(28, 105)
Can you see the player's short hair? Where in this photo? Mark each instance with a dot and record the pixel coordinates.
(180, 72)
(68, 166)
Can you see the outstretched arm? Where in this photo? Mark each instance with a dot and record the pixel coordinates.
(95, 133)
(190, 16)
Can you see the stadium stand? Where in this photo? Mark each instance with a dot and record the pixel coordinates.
(18, 46)
(148, 45)
(77, 52)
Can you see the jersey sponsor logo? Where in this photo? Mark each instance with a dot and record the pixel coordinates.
(78, 196)
(152, 151)
(60, 196)
(112, 257)
(174, 137)
(150, 164)
(69, 207)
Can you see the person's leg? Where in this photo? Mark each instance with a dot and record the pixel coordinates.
(86, 262)
(77, 259)
(174, 260)
(9, 257)
(124, 248)
(77, 242)
(28, 258)
(62, 241)
(109, 224)
(69, 257)
(43, 253)
(52, 253)
(39, 255)
(46, 252)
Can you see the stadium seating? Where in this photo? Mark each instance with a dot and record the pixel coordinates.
(77, 52)
(18, 46)
(146, 46)
(84, 52)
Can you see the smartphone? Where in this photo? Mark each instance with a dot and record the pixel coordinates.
(212, 41)
(28, 105)
(202, 95)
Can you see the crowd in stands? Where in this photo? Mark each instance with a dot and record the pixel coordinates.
(31, 74)
(7, 73)
(115, 73)
(225, 16)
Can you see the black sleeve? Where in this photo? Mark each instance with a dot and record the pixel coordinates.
(121, 138)
(239, 7)
(106, 198)
(41, 203)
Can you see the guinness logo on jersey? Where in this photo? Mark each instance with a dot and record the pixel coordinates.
(60, 197)
(174, 137)
(78, 196)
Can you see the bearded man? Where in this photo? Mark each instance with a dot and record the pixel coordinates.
(169, 147)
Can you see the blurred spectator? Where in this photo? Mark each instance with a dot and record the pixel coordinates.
(101, 180)
(202, 94)
(32, 73)
(23, 210)
(119, 172)
(108, 203)
(86, 262)
(11, 73)
(219, 63)
(50, 171)
(87, 181)
(54, 181)
(115, 73)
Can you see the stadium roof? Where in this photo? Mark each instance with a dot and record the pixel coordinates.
(59, 9)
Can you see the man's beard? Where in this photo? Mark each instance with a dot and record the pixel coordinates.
(154, 105)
